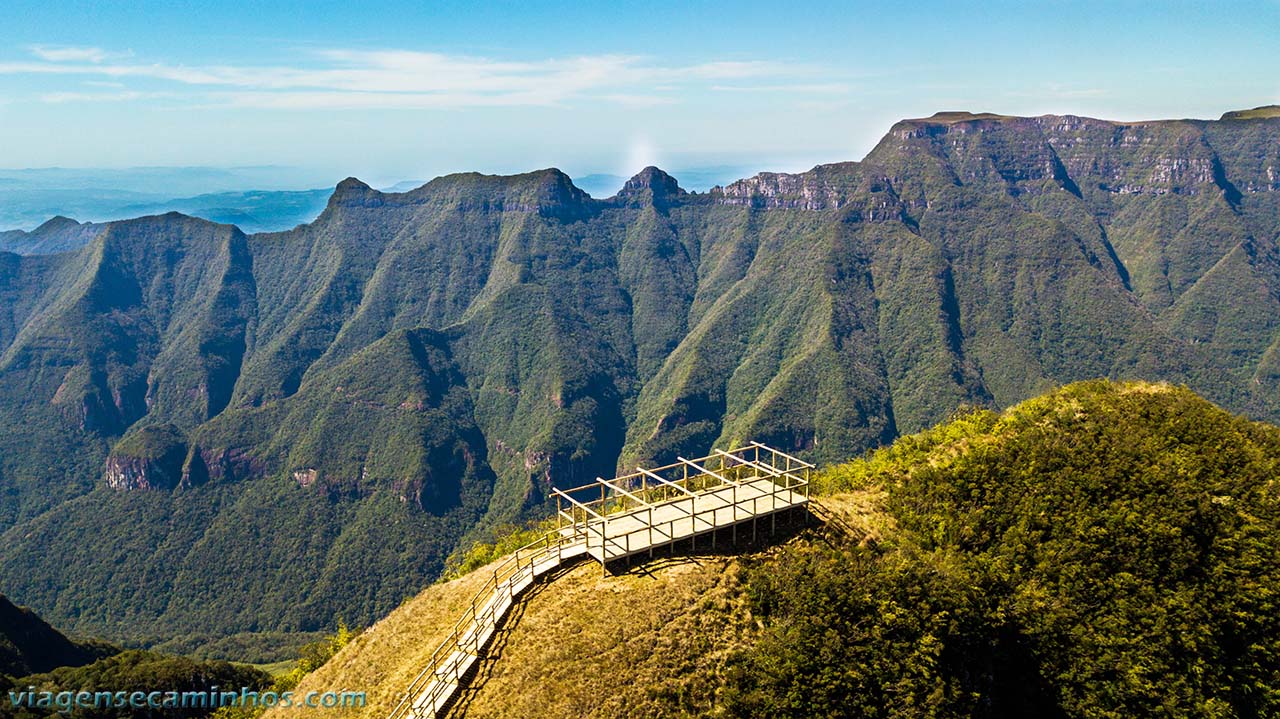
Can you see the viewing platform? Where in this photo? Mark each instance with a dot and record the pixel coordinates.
(617, 519)
(651, 508)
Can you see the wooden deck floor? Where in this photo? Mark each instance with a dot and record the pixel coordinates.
(645, 529)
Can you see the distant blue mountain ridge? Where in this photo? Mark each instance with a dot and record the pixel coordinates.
(31, 200)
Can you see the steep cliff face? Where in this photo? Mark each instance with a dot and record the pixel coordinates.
(824, 188)
(415, 366)
(151, 457)
(126, 473)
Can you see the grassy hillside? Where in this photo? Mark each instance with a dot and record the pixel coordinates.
(671, 627)
(1258, 113)
(1105, 550)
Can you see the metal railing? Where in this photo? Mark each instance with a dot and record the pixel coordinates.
(736, 473)
(682, 500)
(481, 614)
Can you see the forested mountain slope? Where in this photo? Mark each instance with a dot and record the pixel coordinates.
(321, 415)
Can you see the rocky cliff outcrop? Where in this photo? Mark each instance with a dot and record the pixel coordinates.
(130, 473)
(148, 458)
(823, 188)
(650, 186)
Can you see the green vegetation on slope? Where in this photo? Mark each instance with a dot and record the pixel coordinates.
(1103, 551)
(312, 657)
(41, 670)
(28, 645)
(1258, 113)
(132, 671)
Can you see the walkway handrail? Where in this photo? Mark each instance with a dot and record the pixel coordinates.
(592, 512)
(705, 470)
(502, 574)
(622, 491)
(797, 460)
(665, 481)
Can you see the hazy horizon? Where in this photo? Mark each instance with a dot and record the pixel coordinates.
(395, 91)
(258, 199)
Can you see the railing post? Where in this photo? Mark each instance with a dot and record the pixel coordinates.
(773, 507)
(650, 523)
(713, 529)
(733, 532)
(693, 522)
(456, 676)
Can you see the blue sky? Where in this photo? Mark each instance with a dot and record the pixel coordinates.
(390, 91)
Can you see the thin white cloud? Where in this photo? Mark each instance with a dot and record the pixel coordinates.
(321, 100)
(638, 100)
(742, 70)
(363, 79)
(810, 88)
(71, 54)
(121, 96)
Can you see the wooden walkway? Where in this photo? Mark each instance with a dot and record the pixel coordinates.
(611, 520)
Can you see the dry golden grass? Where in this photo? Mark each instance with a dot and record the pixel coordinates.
(859, 513)
(651, 642)
(385, 658)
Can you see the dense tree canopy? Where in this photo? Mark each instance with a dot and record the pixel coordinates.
(1103, 551)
